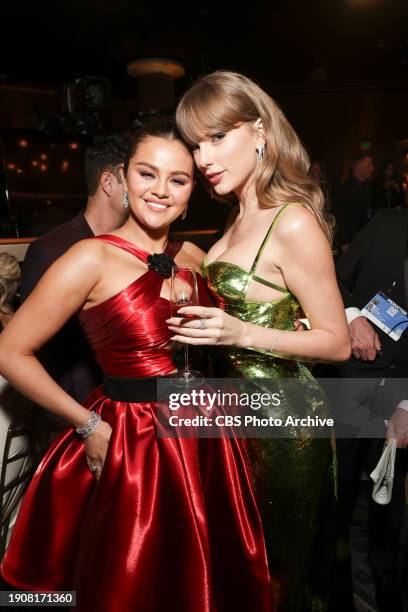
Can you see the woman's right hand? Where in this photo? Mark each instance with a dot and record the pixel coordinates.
(96, 447)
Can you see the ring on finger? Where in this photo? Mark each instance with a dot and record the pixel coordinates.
(203, 323)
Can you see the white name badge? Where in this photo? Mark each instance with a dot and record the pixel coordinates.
(387, 315)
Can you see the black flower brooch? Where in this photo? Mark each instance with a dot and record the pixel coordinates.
(160, 263)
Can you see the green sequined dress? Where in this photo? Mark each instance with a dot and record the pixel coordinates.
(293, 478)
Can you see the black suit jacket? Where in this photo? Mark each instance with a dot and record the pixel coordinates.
(67, 356)
(352, 204)
(371, 264)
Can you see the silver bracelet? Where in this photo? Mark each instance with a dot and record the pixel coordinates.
(86, 430)
(275, 346)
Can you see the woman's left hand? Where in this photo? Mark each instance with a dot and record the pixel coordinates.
(211, 326)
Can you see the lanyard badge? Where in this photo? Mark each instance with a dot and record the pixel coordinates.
(387, 315)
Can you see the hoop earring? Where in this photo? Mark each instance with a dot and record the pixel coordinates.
(184, 214)
(260, 153)
(125, 199)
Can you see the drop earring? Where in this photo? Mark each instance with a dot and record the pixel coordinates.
(184, 214)
(260, 153)
(125, 199)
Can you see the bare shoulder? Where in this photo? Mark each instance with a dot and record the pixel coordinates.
(298, 224)
(85, 256)
(72, 276)
(295, 219)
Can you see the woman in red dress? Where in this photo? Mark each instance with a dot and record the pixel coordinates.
(130, 521)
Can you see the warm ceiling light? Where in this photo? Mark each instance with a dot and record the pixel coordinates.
(73, 146)
(155, 65)
(23, 143)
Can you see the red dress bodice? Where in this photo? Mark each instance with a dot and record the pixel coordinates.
(128, 331)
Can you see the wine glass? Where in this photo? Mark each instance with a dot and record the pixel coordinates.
(184, 292)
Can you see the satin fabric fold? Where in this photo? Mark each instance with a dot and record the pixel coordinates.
(172, 523)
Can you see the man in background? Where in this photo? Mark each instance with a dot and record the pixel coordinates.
(67, 357)
(353, 201)
(377, 261)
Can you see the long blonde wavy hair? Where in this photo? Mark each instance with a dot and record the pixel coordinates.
(10, 276)
(221, 100)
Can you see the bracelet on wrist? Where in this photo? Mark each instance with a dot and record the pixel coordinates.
(86, 430)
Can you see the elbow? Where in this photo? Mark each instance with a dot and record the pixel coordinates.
(343, 350)
(8, 359)
(4, 359)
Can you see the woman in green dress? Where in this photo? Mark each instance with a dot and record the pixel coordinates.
(273, 261)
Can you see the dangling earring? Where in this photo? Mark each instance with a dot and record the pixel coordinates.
(260, 153)
(212, 193)
(125, 199)
(184, 214)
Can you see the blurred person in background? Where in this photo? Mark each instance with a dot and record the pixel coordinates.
(13, 406)
(377, 261)
(353, 200)
(10, 276)
(318, 173)
(389, 190)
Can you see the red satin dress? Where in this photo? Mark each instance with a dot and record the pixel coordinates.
(172, 523)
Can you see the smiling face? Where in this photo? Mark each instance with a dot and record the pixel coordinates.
(228, 159)
(159, 181)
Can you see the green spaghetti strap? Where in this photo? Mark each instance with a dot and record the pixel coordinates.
(263, 281)
(265, 240)
(251, 275)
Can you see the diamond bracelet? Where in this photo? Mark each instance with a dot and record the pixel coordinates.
(86, 430)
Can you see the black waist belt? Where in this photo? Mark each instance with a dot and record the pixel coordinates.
(131, 389)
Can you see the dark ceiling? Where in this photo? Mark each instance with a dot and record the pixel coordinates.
(283, 43)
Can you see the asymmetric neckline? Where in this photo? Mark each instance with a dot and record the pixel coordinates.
(130, 247)
(171, 249)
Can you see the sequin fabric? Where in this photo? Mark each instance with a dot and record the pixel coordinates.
(294, 478)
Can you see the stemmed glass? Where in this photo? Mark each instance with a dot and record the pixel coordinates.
(184, 292)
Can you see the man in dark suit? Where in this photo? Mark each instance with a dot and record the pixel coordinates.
(377, 260)
(67, 356)
(352, 201)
